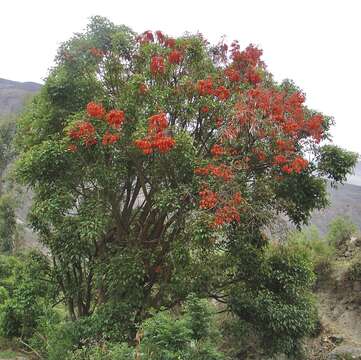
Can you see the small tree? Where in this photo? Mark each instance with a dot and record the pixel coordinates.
(156, 163)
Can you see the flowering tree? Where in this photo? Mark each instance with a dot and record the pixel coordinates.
(154, 160)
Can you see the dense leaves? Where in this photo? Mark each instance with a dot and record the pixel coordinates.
(156, 165)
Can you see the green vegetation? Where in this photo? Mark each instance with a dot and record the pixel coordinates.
(153, 203)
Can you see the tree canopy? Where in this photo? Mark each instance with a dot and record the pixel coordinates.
(158, 162)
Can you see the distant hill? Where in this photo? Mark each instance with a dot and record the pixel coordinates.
(355, 179)
(13, 94)
(345, 201)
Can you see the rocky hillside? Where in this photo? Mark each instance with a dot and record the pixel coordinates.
(338, 298)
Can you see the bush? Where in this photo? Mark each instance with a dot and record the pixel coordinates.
(340, 230)
(320, 251)
(279, 305)
(189, 335)
(105, 352)
(26, 280)
(354, 271)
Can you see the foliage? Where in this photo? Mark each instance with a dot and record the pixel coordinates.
(332, 163)
(26, 281)
(279, 303)
(340, 230)
(7, 152)
(7, 224)
(156, 163)
(354, 271)
(320, 250)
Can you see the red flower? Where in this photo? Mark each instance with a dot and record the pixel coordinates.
(280, 159)
(170, 43)
(110, 138)
(205, 87)
(144, 145)
(83, 130)
(95, 110)
(160, 36)
(232, 75)
(299, 164)
(219, 122)
(204, 109)
(209, 199)
(253, 76)
(287, 169)
(222, 171)
(163, 143)
(157, 65)
(115, 118)
(143, 89)
(157, 122)
(314, 127)
(175, 57)
(222, 93)
(237, 198)
(226, 215)
(96, 52)
(72, 148)
(217, 150)
(146, 37)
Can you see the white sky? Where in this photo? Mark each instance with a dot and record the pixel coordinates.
(314, 42)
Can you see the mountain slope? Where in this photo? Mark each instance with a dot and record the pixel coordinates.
(345, 200)
(13, 94)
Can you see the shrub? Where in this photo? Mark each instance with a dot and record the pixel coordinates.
(319, 250)
(354, 271)
(26, 280)
(279, 305)
(340, 230)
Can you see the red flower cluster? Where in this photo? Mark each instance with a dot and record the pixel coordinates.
(170, 43)
(222, 93)
(175, 57)
(160, 37)
(314, 127)
(205, 87)
(208, 200)
(156, 139)
(232, 75)
(297, 165)
(163, 143)
(110, 138)
(115, 118)
(250, 56)
(157, 65)
(222, 171)
(85, 131)
(157, 123)
(72, 148)
(217, 150)
(143, 89)
(285, 145)
(144, 145)
(95, 110)
(253, 76)
(226, 215)
(146, 37)
(280, 159)
(96, 52)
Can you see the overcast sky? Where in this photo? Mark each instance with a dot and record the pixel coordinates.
(314, 42)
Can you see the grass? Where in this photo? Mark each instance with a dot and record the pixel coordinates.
(7, 355)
